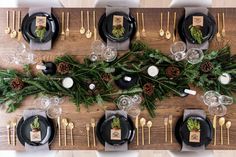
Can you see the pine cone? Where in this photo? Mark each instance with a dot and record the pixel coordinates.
(172, 72)
(206, 66)
(106, 77)
(148, 88)
(63, 68)
(17, 84)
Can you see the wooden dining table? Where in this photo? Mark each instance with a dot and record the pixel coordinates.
(80, 47)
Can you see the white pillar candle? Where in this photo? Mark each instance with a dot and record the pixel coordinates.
(153, 71)
(67, 82)
(225, 78)
(41, 67)
(189, 91)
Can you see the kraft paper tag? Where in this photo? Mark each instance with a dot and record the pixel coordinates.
(41, 21)
(118, 20)
(197, 21)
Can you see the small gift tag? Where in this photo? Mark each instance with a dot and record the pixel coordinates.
(115, 134)
(194, 136)
(41, 21)
(35, 136)
(118, 20)
(197, 21)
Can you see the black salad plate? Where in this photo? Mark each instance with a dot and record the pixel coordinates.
(28, 27)
(105, 26)
(208, 29)
(182, 132)
(46, 128)
(104, 128)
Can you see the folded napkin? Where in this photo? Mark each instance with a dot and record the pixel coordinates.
(32, 112)
(192, 10)
(118, 45)
(40, 46)
(187, 113)
(123, 147)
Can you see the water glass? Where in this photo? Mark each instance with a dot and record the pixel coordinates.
(124, 102)
(54, 111)
(225, 100)
(134, 110)
(137, 99)
(178, 50)
(219, 110)
(211, 98)
(194, 55)
(109, 54)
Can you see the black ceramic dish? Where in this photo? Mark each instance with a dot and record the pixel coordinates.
(208, 30)
(47, 127)
(182, 133)
(104, 127)
(105, 27)
(123, 84)
(51, 68)
(28, 27)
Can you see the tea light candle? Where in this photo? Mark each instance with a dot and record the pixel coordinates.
(189, 91)
(92, 86)
(41, 67)
(67, 82)
(153, 71)
(127, 78)
(225, 78)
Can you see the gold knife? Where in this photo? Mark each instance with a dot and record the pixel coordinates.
(136, 125)
(59, 129)
(214, 126)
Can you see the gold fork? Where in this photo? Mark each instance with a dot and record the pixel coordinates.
(67, 24)
(8, 132)
(93, 124)
(62, 26)
(166, 124)
(13, 123)
(170, 123)
(88, 130)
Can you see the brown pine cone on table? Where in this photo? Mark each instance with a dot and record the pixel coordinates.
(206, 66)
(172, 72)
(17, 84)
(148, 88)
(63, 68)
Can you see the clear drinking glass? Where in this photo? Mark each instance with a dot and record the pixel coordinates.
(23, 55)
(54, 111)
(109, 54)
(194, 55)
(134, 111)
(124, 102)
(211, 98)
(225, 100)
(178, 50)
(44, 102)
(137, 99)
(219, 110)
(97, 49)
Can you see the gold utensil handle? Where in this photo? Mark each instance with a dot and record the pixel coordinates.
(65, 137)
(67, 19)
(71, 137)
(8, 136)
(94, 25)
(228, 135)
(82, 18)
(171, 138)
(19, 19)
(143, 21)
(218, 22)
(138, 20)
(223, 20)
(142, 135)
(94, 138)
(137, 136)
(168, 20)
(62, 21)
(88, 19)
(221, 136)
(214, 136)
(88, 140)
(166, 135)
(59, 133)
(8, 18)
(149, 135)
(161, 19)
(13, 17)
(14, 136)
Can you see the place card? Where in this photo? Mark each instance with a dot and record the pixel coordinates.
(198, 21)
(41, 21)
(194, 136)
(118, 20)
(115, 134)
(35, 136)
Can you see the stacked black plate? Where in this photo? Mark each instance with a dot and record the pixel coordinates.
(104, 128)
(105, 27)
(28, 27)
(208, 29)
(182, 132)
(47, 130)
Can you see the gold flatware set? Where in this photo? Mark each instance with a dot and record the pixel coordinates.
(87, 126)
(141, 33)
(143, 123)
(11, 132)
(70, 125)
(168, 122)
(65, 32)
(221, 30)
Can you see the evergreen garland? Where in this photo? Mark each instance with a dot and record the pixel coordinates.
(136, 61)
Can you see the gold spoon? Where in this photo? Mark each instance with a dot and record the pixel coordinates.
(214, 127)
(71, 126)
(161, 32)
(82, 29)
(223, 25)
(13, 32)
(8, 132)
(149, 125)
(228, 125)
(7, 29)
(137, 33)
(62, 26)
(67, 24)
(65, 123)
(218, 36)
(88, 129)
(143, 30)
(93, 124)
(142, 123)
(168, 34)
(13, 123)
(59, 129)
(221, 123)
(166, 124)
(170, 123)
(88, 33)
(174, 28)
(19, 26)
(137, 130)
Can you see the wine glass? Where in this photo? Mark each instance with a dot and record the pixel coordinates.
(124, 102)
(137, 99)
(178, 50)
(194, 55)
(134, 110)
(219, 110)
(225, 100)
(54, 111)
(109, 54)
(211, 98)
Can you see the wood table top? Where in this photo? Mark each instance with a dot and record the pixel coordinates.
(77, 44)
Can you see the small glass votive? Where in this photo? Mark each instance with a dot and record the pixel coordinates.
(178, 50)
(194, 55)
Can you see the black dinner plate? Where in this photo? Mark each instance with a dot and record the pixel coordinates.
(104, 127)
(47, 127)
(208, 29)
(105, 26)
(182, 132)
(28, 27)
